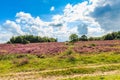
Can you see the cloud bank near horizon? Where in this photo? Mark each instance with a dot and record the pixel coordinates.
(92, 18)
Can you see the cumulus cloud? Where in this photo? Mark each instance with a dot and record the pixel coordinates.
(108, 15)
(52, 8)
(12, 27)
(26, 24)
(92, 17)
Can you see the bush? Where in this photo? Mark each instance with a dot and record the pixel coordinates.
(71, 59)
(69, 52)
(9, 42)
(21, 62)
(92, 45)
(21, 56)
(40, 56)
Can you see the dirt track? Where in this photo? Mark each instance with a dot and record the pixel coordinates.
(36, 75)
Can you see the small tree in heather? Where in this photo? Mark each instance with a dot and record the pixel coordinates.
(73, 38)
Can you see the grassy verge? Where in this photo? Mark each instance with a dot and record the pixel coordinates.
(105, 77)
(10, 63)
(83, 70)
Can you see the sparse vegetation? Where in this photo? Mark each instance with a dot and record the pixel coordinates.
(33, 63)
(101, 77)
(21, 61)
(92, 45)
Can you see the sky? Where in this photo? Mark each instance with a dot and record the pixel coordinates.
(58, 18)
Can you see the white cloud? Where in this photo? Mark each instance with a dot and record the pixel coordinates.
(108, 15)
(52, 8)
(11, 26)
(80, 15)
(26, 24)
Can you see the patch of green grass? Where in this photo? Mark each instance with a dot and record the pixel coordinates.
(9, 62)
(106, 77)
(82, 70)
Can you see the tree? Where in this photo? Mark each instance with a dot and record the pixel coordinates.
(12, 40)
(91, 39)
(73, 38)
(25, 39)
(83, 38)
(25, 42)
(117, 37)
(114, 34)
(18, 39)
(108, 37)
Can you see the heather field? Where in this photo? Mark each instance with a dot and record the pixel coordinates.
(84, 60)
(97, 46)
(33, 48)
(60, 40)
(56, 47)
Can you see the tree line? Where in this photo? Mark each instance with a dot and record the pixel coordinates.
(25, 39)
(109, 36)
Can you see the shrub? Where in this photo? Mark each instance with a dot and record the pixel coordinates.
(66, 43)
(69, 52)
(93, 45)
(21, 56)
(71, 59)
(9, 42)
(40, 56)
(21, 62)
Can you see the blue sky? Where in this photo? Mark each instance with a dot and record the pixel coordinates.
(35, 7)
(58, 18)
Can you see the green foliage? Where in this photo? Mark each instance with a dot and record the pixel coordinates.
(95, 38)
(112, 36)
(118, 37)
(73, 37)
(69, 52)
(27, 62)
(71, 59)
(20, 62)
(109, 36)
(92, 45)
(91, 39)
(25, 39)
(83, 38)
(81, 70)
(9, 42)
(25, 42)
(97, 77)
(12, 40)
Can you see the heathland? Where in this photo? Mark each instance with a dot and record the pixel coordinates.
(82, 60)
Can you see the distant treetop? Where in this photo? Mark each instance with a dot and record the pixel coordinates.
(25, 39)
(109, 36)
